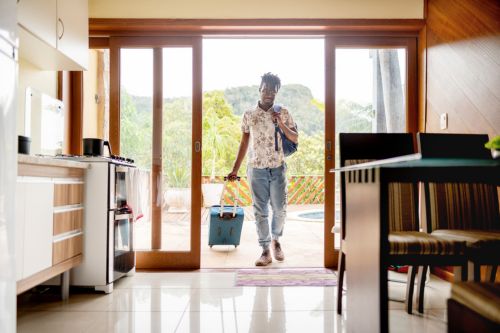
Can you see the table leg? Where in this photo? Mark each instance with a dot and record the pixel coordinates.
(367, 274)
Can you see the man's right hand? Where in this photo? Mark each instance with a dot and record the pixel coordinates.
(232, 176)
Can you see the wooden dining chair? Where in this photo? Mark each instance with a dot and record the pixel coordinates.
(407, 245)
(463, 212)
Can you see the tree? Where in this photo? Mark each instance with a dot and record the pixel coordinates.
(220, 134)
(136, 129)
(176, 142)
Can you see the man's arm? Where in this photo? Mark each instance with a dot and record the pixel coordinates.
(290, 133)
(245, 138)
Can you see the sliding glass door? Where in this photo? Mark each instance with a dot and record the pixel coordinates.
(155, 119)
(371, 88)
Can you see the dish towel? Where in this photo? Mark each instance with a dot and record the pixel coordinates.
(138, 187)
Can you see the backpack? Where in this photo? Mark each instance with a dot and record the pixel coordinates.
(289, 147)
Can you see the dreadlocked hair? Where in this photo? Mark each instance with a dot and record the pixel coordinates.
(270, 80)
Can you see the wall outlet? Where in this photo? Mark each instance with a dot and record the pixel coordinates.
(443, 121)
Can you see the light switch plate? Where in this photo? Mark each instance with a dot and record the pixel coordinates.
(443, 121)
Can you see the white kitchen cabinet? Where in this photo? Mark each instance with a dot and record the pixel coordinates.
(73, 30)
(39, 17)
(53, 34)
(49, 220)
(38, 223)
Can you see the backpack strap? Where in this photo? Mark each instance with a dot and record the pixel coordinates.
(277, 109)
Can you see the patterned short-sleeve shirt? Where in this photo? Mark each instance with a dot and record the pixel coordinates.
(261, 151)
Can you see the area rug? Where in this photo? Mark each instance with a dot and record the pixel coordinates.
(286, 277)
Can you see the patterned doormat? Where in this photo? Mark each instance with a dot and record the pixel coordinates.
(286, 277)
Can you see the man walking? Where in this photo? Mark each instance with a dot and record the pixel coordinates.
(266, 169)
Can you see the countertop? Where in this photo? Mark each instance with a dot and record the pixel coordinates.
(49, 160)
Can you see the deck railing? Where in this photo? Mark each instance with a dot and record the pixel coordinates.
(301, 190)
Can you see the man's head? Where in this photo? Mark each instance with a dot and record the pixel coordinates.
(269, 86)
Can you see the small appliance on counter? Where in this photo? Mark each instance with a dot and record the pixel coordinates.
(23, 144)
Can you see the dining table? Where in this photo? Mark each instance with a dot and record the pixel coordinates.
(367, 228)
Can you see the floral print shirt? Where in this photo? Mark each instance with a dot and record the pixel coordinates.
(261, 151)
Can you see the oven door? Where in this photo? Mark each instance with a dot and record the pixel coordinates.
(120, 186)
(123, 239)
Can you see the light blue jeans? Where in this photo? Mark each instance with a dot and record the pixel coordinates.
(268, 186)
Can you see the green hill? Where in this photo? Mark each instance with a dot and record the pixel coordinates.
(297, 98)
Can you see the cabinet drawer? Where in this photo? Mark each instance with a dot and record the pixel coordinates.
(67, 221)
(66, 248)
(68, 194)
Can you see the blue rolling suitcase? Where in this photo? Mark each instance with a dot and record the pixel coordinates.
(226, 221)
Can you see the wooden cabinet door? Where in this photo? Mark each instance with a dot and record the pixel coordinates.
(38, 227)
(39, 18)
(73, 30)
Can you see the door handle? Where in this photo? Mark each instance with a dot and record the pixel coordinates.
(329, 146)
(197, 146)
(329, 150)
(62, 26)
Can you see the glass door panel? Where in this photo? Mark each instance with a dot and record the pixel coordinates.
(156, 119)
(176, 148)
(370, 97)
(136, 123)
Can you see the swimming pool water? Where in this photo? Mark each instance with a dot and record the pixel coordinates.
(318, 215)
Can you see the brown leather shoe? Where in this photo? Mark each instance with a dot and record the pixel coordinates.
(265, 258)
(277, 251)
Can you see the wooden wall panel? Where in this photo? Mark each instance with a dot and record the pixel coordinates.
(463, 66)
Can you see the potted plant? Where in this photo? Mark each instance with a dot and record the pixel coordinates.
(494, 145)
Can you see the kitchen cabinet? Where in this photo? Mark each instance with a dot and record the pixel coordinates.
(39, 17)
(49, 220)
(38, 223)
(53, 34)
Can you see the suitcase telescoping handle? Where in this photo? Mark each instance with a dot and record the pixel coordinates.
(236, 197)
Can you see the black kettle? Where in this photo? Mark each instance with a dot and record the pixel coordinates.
(95, 147)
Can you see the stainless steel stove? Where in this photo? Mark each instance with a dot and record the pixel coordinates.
(109, 230)
(88, 158)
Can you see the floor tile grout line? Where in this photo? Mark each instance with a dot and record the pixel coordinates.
(182, 316)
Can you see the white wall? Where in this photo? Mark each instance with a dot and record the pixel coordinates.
(251, 9)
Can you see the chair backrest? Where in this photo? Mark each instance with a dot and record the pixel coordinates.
(437, 145)
(459, 205)
(357, 148)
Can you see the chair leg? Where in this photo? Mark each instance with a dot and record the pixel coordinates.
(474, 271)
(460, 273)
(340, 281)
(410, 284)
(422, 274)
(491, 273)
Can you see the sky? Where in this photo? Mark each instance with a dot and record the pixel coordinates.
(235, 62)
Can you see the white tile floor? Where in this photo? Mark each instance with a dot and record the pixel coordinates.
(208, 301)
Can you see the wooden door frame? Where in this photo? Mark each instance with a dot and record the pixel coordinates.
(102, 29)
(412, 107)
(157, 258)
